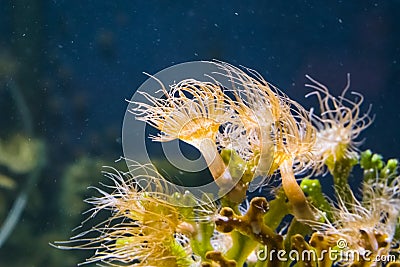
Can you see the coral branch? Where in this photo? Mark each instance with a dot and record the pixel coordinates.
(217, 257)
(308, 258)
(251, 224)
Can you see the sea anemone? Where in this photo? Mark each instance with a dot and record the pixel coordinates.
(192, 111)
(145, 228)
(367, 226)
(282, 130)
(339, 124)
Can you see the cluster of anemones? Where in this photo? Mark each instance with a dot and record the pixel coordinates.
(270, 133)
(260, 123)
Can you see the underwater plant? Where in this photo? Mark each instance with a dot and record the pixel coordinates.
(21, 154)
(252, 136)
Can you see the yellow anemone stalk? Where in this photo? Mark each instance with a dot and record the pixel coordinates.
(192, 111)
(294, 138)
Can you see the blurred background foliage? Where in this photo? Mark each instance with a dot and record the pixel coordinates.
(67, 66)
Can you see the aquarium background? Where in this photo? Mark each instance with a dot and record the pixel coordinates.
(66, 68)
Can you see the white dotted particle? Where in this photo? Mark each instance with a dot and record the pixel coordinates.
(255, 227)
